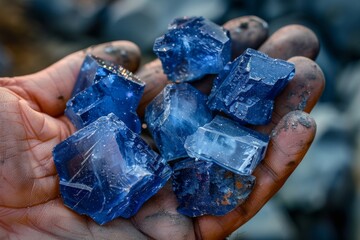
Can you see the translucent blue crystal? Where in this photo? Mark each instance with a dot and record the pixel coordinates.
(175, 114)
(246, 88)
(107, 171)
(192, 48)
(203, 187)
(115, 93)
(92, 70)
(228, 144)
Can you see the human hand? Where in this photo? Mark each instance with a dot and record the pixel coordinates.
(33, 122)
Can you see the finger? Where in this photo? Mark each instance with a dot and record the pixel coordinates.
(55, 221)
(287, 42)
(26, 167)
(290, 41)
(50, 89)
(123, 53)
(289, 142)
(159, 219)
(155, 80)
(246, 32)
(302, 92)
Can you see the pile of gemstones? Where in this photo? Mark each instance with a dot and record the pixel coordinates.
(203, 142)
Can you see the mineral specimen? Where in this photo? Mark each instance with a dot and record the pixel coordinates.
(192, 48)
(246, 89)
(203, 187)
(228, 144)
(175, 114)
(107, 171)
(92, 70)
(115, 93)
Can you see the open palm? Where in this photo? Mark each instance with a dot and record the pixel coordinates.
(32, 123)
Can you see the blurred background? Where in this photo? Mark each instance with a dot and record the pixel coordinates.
(321, 200)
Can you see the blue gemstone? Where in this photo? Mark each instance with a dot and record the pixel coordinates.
(175, 114)
(92, 70)
(203, 187)
(192, 48)
(107, 171)
(229, 144)
(115, 93)
(247, 87)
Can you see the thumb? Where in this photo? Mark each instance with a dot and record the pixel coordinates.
(49, 90)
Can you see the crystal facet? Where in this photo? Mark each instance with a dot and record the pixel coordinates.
(192, 48)
(246, 88)
(107, 171)
(92, 70)
(175, 114)
(203, 187)
(228, 144)
(115, 93)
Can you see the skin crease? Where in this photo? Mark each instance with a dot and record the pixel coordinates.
(32, 123)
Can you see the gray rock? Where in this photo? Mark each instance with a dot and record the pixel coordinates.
(5, 62)
(67, 17)
(340, 20)
(142, 21)
(323, 174)
(348, 89)
(271, 222)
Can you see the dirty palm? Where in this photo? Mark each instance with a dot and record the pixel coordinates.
(41, 125)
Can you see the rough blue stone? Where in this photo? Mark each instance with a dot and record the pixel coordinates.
(246, 88)
(175, 114)
(228, 144)
(92, 70)
(107, 171)
(203, 187)
(192, 48)
(115, 93)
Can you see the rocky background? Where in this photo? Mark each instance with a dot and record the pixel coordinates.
(321, 200)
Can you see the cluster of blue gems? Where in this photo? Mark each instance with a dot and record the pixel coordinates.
(106, 169)
(213, 156)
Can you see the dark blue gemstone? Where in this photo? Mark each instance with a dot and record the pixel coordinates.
(92, 70)
(203, 187)
(175, 114)
(192, 48)
(115, 93)
(247, 87)
(107, 171)
(228, 144)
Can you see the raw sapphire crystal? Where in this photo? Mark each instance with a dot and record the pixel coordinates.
(228, 144)
(107, 171)
(177, 112)
(245, 90)
(203, 187)
(92, 70)
(193, 47)
(118, 93)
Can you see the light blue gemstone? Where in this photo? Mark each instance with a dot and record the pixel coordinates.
(228, 144)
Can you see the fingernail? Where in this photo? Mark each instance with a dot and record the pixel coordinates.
(115, 50)
(259, 20)
(123, 53)
(292, 120)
